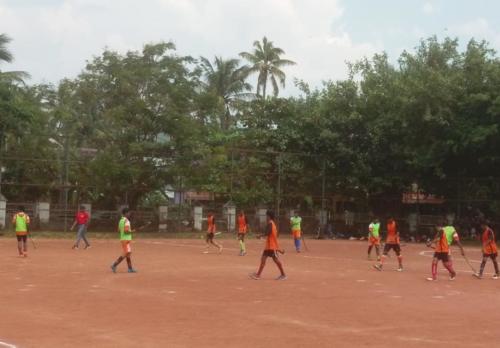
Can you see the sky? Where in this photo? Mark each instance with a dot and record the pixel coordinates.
(52, 39)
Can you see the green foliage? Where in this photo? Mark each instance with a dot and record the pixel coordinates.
(158, 119)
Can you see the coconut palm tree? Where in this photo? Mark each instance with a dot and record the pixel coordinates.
(6, 56)
(225, 78)
(266, 60)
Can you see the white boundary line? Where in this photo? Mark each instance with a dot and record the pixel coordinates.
(3, 344)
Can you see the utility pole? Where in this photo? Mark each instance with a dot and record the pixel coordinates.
(66, 181)
(323, 189)
(278, 193)
(232, 174)
(1, 153)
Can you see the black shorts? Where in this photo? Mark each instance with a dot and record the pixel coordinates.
(241, 236)
(22, 238)
(210, 237)
(442, 256)
(491, 256)
(270, 253)
(395, 247)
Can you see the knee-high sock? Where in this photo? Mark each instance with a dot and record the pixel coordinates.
(129, 262)
(481, 268)
(370, 250)
(242, 245)
(20, 247)
(377, 250)
(400, 260)
(297, 243)
(434, 270)
(449, 267)
(118, 260)
(495, 264)
(382, 259)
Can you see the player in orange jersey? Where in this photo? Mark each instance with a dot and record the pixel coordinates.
(391, 242)
(211, 233)
(271, 249)
(442, 253)
(489, 250)
(242, 231)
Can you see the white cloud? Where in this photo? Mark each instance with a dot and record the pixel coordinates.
(480, 29)
(428, 8)
(61, 37)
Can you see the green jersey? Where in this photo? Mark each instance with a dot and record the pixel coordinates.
(450, 232)
(21, 222)
(124, 229)
(374, 228)
(295, 222)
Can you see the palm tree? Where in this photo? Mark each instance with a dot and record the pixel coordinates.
(266, 61)
(6, 56)
(226, 80)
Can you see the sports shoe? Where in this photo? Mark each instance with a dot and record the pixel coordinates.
(113, 268)
(453, 276)
(254, 276)
(431, 279)
(74, 247)
(220, 249)
(205, 252)
(477, 275)
(243, 253)
(132, 270)
(400, 269)
(378, 267)
(495, 276)
(87, 247)
(281, 277)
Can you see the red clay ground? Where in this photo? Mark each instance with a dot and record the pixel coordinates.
(182, 298)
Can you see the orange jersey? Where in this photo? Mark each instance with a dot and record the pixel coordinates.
(272, 236)
(211, 223)
(242, 224)
(489, 247)
(442, 245)
(392, 233)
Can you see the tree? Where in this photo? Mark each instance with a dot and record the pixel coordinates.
(136, 109)
(266, 61)
(225, 80)
(6, 56)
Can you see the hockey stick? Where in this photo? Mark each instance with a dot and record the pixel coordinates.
(143, 226)
(469, 263)
(304, 242)
(32, 241)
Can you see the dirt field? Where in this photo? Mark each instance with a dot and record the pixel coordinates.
(182, 298)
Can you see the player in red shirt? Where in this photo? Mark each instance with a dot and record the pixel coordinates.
(82, 219)
(489, 250)
(271, 249)
(442, 252)
(391, 242)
